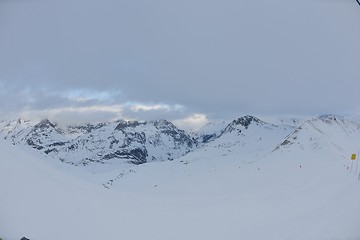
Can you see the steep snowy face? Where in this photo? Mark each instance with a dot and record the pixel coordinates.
(44, 136)
(243, 123)
(15, 130)
(121, 141)
(245, 135)
(180, 137)
(213, 131)
(252, 135)
(210, 131)
(327, 130)
(128, 141)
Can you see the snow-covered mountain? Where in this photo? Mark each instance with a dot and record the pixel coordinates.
(326, 131)
(302, 185)
(133, 142)
(251, 132)
(127, 141)
(210, 131)
(245, 135)
(43, 136)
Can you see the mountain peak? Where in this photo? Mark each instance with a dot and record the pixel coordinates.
(128, 124)
(243, 122)
(163, 123)
(45, 123)
(246, 120)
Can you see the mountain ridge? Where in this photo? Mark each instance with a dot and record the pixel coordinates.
(139, 142)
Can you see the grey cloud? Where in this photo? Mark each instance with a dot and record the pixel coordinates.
(222, 58)
(155, 114)
(16, 97)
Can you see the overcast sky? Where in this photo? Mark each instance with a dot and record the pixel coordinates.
(184, 60)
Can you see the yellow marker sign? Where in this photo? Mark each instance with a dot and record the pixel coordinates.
(353, 156)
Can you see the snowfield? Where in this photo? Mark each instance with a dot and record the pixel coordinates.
(299, 184)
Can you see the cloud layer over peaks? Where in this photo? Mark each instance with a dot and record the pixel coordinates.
(141, 59)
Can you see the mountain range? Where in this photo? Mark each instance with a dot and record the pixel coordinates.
(137, 142)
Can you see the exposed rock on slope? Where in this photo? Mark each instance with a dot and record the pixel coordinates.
(130, 141)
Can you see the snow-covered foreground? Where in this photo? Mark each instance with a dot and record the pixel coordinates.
(288, 194)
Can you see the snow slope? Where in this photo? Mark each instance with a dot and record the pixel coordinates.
(246, 137)
(294, 192)
(326, 131)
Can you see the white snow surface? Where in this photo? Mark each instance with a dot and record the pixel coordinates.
(236, 187)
